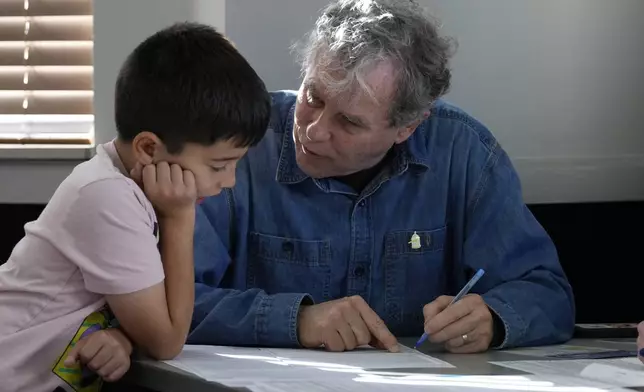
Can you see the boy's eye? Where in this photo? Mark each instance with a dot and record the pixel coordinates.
(218, 169)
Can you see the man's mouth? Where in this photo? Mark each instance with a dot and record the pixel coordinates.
(309, 152)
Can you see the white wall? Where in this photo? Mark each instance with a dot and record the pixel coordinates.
(559, 82)
(119, 25)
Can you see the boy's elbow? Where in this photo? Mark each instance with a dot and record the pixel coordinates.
(165, 351)
(166, 347)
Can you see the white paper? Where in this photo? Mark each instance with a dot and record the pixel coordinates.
(436, 383)
(621, 376)
(576, 367)
(546, 351)
(225, 364)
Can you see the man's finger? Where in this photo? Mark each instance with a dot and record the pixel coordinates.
(450, 315)
(333, 341)
(456, 329)
(473, 344)
(436, 306)
(348, 338)
(377, 344)
(359, 328)
(74, 354)
(468, 348)
(375, 324)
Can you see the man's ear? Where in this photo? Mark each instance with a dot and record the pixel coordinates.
(147, 147)
(404, 133)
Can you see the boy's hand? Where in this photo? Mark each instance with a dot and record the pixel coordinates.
(106, 352)
(170, 189)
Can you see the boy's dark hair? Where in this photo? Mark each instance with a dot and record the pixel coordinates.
(187, 83)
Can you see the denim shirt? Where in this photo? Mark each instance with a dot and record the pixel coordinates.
(279, 238)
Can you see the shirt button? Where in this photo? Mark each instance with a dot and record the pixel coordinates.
(361, 204)
(358, 271)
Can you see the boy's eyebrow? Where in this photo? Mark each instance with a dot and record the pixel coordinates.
(224, 159)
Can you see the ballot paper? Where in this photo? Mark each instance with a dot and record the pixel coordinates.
(626, 377)
(222, 363)
(631, 369)
(282, 370)
(434, 382)
(553, 351)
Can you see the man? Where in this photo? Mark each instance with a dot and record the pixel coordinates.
(369, 203)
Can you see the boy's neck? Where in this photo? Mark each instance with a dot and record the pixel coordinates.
(124, 151)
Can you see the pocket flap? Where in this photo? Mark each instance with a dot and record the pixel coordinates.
(290, 250)
(400, 242)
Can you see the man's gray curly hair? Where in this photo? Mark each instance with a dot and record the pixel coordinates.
(352, 37)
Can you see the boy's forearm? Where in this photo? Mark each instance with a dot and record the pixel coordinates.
(176, 237)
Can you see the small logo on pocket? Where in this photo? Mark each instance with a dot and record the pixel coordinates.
(415, 241)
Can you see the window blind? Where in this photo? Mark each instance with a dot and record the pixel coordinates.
(46, 72)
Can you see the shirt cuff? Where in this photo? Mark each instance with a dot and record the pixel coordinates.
(276, 322)
(513, 324)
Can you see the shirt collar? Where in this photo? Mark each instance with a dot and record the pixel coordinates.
(405, 154)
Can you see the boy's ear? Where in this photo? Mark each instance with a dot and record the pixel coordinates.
(147, 146)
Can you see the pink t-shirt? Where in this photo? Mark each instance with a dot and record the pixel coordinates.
(98, 235)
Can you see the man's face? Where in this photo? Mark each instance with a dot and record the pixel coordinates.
(213, 166)
(343, 133)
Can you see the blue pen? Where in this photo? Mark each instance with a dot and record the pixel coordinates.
(466, 289)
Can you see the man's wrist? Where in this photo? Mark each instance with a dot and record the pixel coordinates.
(498, 330)
(301, 312)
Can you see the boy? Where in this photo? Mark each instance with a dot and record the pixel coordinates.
(115, 241)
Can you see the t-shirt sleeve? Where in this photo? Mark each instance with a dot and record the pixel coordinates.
(112, 239)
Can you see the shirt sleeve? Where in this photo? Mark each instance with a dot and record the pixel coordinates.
(524, 284)
(112, 239)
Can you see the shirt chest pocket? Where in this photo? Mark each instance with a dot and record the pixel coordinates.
(416, 273)
(289, 265)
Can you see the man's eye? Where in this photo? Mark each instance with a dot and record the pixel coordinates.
(311, 100)
(349, 121)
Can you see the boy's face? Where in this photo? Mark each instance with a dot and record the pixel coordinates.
(213, 166)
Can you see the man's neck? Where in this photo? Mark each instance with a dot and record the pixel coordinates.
(361, 179)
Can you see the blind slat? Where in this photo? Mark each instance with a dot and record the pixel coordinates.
(47, 53)
(45, 7)
(46, 78)
(41, 102)
(46, 72)
(47, 28)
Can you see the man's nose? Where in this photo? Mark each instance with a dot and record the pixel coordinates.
(318, 131)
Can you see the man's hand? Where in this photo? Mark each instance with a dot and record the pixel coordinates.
(465, 327)
(343, 324)
(106, 352)
(640, 341)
